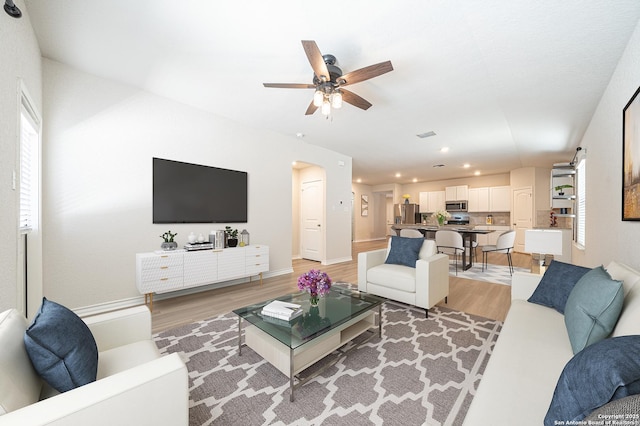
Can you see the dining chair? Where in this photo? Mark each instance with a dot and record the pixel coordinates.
(504, 244)
(450, 242)
(411, 233)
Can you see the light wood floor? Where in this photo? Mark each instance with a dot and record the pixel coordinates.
(474, 297)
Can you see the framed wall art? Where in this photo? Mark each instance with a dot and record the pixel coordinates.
(364, 205)
(631, 159)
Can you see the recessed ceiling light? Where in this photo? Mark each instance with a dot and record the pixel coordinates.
(477, 173)
(299, 135)
(444, 149)
(426, 134)
(466, 165)
(398, 175)
(415, 180)
(359, 180)
(293, 163)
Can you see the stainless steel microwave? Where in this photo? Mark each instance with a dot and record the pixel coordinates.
(456, 206)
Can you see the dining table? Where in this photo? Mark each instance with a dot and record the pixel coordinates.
(468, 234)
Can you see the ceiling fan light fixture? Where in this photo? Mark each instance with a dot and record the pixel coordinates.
(318, 98)
(326, 108)
(336, 99)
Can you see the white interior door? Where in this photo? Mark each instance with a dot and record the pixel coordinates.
(522, 215)
(312, 208)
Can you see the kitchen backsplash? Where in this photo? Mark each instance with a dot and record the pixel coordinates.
(498, 218)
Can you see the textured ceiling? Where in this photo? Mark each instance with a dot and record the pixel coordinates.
(503, 83)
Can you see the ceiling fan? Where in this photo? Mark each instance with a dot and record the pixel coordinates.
(329, 82)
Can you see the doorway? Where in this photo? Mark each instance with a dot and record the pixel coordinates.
(522, 215)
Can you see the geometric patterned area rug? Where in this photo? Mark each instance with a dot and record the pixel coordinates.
(498, 274)
(423, 371)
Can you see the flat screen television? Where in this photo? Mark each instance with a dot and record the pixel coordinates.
(193, 193)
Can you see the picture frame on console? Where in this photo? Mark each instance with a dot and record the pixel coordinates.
(631, 159)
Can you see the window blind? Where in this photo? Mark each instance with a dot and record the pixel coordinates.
(581, 196)
(29, 160)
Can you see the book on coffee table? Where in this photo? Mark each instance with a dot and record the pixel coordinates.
(282, 310)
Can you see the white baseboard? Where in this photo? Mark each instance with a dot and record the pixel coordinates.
(139, 300)
(339, 260)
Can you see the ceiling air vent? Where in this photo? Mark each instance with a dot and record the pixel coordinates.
(426, 134)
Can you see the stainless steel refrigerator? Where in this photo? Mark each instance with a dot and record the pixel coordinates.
(406, 214)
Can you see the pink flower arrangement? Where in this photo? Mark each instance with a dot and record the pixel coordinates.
(315, 282)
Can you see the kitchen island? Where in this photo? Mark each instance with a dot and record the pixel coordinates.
(468, 236)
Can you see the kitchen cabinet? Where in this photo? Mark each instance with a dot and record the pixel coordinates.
(432, 201)
(500, 199)
(457, 193)
(478, 200)
(490, 199)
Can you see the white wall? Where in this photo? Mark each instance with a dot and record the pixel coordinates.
(100, 137)
(19, 60)
(607, 236)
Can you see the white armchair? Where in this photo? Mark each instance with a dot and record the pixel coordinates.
(135, 385)
(423, 286)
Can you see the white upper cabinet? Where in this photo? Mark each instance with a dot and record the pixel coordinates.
(457, 193)
(478, 200)
(500, 199)
(490, 199)
(432, 201)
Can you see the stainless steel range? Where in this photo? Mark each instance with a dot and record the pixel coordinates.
(459, 219)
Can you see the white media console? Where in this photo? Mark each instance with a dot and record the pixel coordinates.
(162, 272)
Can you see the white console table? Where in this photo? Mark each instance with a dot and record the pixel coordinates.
(162, 272)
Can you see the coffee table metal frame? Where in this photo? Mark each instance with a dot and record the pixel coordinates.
(297, 355)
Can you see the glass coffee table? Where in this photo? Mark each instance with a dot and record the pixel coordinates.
(293, 346)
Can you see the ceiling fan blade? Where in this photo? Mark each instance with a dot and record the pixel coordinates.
(289, 85)
(365, 73)
(315, 59)
(311, 109)
(355, 100)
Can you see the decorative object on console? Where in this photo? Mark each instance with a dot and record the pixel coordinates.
(244, 238)
(232, 236)
(541, 242)
(316, 283)
(191, 238)
(442, 215)
(168, 243)
(630, 158)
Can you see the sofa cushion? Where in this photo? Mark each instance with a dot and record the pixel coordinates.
(603, 372)
(428, 249)
(394, 276)
(404, 251)
(621, 272)
(556, 284)
(19, 383)
(593, 308)
(61, 347)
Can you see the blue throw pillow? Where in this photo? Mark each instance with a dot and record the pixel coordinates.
(593, 308)
(556, 284)
(61, 347)
(603, 372)
(404, 251)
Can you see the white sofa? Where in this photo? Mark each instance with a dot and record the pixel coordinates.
(422, 286)
(533, 347)
(135, 385)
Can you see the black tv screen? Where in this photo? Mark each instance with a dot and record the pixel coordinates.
(192, 193)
